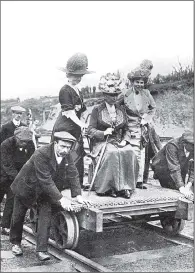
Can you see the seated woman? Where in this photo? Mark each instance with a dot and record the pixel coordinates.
(118, 170)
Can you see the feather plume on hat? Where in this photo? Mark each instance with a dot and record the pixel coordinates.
(146, 64)
(141, 72)
(111, 84)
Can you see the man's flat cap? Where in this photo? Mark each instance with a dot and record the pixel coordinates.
(23, 133)
(18, 109)
(188, 136)
(64, 136)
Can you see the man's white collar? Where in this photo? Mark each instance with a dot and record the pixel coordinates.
(186, 152)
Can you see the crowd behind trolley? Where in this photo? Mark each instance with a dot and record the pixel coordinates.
(123, 146)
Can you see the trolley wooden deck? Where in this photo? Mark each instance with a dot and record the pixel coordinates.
(154, 203)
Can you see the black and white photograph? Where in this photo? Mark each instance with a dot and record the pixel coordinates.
(97, 136)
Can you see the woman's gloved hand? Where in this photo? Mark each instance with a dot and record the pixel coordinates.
(108, 131)
(122, 144)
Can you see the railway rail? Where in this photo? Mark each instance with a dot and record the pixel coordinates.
(80, 263)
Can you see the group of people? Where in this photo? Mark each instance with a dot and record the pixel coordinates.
(119, 130)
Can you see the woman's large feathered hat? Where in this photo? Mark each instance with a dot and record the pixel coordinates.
(146, 64)
(111, 84)
(141, 72)
(77, 65)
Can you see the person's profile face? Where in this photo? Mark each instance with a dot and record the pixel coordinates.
(74, 79)
(63, 147)
(17, 115)
(189, 147)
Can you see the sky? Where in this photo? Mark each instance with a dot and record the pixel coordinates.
(39, 36)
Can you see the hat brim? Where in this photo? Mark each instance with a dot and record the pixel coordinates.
(18, 111)
(77, 72)
(112, 94)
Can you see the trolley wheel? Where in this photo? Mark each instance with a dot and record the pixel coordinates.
(33, 220)
(76, 235)
(172, 226)
(65, 229)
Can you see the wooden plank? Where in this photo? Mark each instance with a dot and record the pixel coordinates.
(91, 219)
(142, 209)
(184, 210)
(139, 212)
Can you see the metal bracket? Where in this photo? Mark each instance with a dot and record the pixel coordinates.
(123, 216)
(163, 210)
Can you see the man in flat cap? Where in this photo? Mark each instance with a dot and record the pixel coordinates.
(15, 151)
(7, 129)
(174, 163)
(49, 171)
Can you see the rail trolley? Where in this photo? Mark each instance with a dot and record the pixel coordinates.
(151, 204)
(155, 203)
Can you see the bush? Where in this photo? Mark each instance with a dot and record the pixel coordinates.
(178, 74)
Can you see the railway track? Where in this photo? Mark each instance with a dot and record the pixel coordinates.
(112, 261)
(81, 263)
(182, 239)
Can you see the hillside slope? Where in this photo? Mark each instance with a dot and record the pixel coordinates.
(174, 113)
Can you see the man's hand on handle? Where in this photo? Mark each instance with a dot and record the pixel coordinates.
(187, 193)
(66, 203)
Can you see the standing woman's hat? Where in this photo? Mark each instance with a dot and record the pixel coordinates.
(111, 84)
(77, 65)
(139, 73)
(146, 64)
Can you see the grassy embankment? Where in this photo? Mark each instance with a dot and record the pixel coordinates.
(174, 107)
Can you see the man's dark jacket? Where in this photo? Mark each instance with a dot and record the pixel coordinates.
(42, 177)
(7, 130)
(12, 159)
(170, 164)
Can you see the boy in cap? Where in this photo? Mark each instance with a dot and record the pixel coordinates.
(7, 129)
(15, 151)
(171, 164)
(41, 180)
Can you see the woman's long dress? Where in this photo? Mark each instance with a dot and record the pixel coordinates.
(71, 99)
(138, 106)
(119, 166)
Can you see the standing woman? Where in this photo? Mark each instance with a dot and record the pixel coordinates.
(72, 106)
(140, 108)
